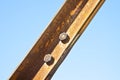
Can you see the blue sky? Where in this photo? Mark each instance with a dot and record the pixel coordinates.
(95, 56)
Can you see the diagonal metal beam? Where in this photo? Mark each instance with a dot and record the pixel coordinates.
(57, 40)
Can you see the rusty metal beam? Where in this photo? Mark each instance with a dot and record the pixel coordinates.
(57, 40)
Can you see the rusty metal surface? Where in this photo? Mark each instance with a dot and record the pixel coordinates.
(72, 19)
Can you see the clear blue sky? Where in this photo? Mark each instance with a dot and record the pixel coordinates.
(95, 56)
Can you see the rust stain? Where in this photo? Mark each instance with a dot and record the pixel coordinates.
(33, 66)
(47, 43)
(74, 11)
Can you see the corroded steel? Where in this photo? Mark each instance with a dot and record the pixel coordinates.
(72, 19)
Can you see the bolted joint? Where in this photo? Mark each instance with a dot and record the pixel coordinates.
(64, 37)
(48, 59)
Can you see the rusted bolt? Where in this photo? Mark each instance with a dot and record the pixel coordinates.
(47, 58)
(64, 37)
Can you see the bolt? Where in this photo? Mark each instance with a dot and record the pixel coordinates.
(63, 36)
(47, 58)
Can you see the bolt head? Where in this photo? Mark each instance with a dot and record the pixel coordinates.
(63, 36)
(47, 58)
